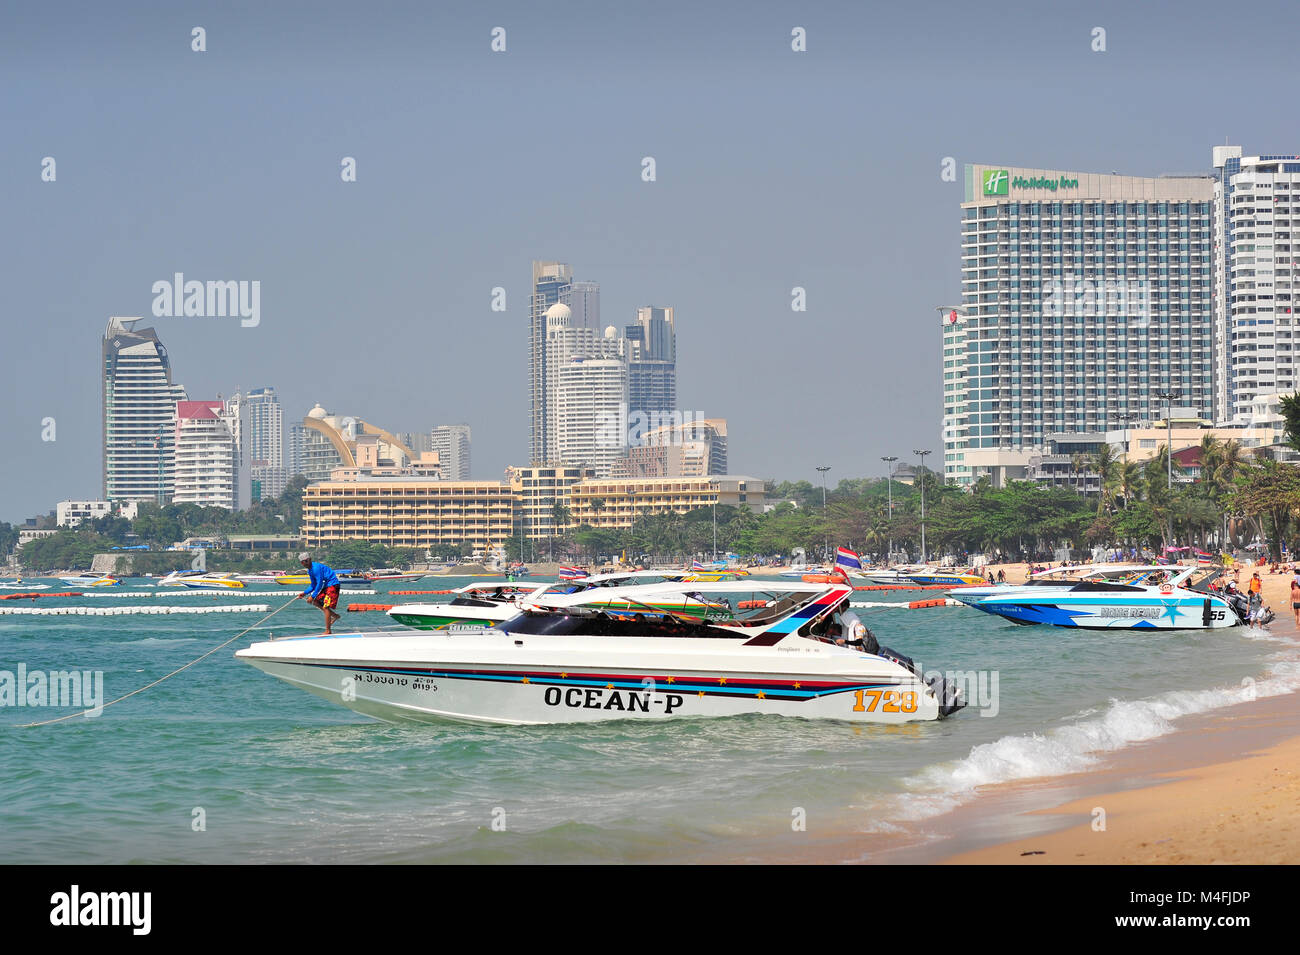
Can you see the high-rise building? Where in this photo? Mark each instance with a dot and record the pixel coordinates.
(138, 413)
(1256, 260)
(551, 281)
(652, 368)
(206, 454)
(451, 442)
(589, 397)
(1084, 296)
(658, 331)
(263, 441)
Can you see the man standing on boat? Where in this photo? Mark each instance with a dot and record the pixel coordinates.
(322, 589)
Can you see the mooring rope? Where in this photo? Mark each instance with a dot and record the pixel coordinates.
(59, 719)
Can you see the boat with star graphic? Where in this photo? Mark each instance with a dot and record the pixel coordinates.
(1111, 597)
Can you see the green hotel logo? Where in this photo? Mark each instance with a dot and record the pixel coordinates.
(996, 182)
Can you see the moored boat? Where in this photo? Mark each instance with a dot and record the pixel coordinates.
(560, 661)
(91, 580)
(1134, 597)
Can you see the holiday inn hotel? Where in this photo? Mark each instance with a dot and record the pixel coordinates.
(1083, 297)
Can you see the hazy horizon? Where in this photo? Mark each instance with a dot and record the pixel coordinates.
(775, 169)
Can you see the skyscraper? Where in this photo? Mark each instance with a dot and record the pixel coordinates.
(206, 450)
(652, 369)
(264, 442)
(551, 280)
(1084, 296)
(452, 442)
(1255, 272)
(589, 396)
(138, 413)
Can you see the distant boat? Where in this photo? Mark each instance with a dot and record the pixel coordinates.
(91, 580)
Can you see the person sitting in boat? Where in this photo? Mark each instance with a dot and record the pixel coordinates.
(850, 631)
(322, 590)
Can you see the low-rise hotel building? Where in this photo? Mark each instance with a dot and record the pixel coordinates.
(407, 512)
(613, 503)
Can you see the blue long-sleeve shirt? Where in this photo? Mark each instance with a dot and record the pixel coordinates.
(321, 577)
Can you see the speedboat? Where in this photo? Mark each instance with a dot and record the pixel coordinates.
(896, 575)
(91, 580)
(945, 578)
(475, 605)
(1107, 597)
(562, 662)
(267, 577)
(391, 575)
(213, 581)
(488, 603)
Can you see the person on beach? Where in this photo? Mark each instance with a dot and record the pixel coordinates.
(1295, 599)
(322, 589)
(1256, 591)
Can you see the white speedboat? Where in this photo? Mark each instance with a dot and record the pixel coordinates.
(214, 581)
(265, 578)
(900, 574)
(563, 662)
(91, 580)
(488, 603)
(392, 576)
(1108, 597)
(480, 605)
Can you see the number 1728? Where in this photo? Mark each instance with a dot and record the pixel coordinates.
(888, 701)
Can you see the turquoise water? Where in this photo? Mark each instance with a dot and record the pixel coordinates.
(280, 775)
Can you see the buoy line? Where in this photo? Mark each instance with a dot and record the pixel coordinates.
(59, 719)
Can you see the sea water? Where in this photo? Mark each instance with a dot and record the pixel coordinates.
(223, 763)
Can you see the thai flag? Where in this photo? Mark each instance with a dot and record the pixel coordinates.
(572, 573)
(1203, 555)
(696, 565)
(846, 560)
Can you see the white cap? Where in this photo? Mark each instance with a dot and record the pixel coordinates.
(303, 556)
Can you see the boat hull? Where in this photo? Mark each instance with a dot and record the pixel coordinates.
(1102, 612)
(488, 678)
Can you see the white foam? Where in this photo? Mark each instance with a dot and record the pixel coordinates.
(1078, 745)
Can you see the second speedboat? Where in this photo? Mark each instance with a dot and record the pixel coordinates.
(1113, 597)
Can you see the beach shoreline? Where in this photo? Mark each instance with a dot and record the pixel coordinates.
(1220, 788)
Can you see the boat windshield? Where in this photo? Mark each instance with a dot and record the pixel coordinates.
(605, 624)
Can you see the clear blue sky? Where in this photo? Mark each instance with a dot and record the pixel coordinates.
(775, 169)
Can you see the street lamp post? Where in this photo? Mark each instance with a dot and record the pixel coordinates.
(1169, 397)
(826, 546)
(889, 460)
(921, 478)
(715, 527)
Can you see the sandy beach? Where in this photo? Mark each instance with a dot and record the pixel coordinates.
(1223, 789)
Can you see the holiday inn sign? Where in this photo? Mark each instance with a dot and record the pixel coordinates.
(996, 182)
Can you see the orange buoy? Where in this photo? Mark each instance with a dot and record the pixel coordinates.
(750, 604)
(919, 604)
(825, 579)
(352, 608)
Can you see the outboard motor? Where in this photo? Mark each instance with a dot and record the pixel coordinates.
(1240, 606)
(946, 692)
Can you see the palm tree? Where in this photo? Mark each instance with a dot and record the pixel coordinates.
(1107, 467)
(1079, 465)
(1130, 481)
